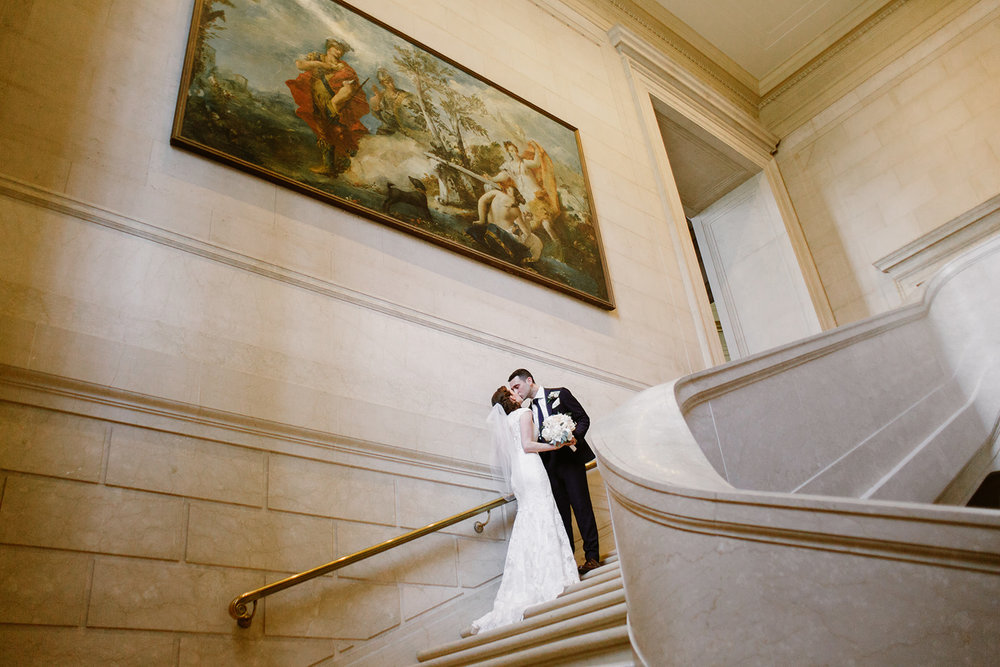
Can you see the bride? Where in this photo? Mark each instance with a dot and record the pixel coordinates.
(540, 563)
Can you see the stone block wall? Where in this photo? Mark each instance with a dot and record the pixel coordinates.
(259, 381)
(124, 543)
(913, 147)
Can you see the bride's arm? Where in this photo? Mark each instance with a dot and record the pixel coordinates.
(529, 442)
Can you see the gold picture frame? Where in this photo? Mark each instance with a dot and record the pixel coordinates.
(320, 97)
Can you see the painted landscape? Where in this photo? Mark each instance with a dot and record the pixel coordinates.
(317, 96)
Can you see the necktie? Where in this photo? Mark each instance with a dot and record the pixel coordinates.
(539, 415)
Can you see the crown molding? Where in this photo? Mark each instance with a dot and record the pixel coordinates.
(771, 89)
(655, 24)
(874, 45)
(740, 90)
(653, 15)
(704, 100)
(825, 44)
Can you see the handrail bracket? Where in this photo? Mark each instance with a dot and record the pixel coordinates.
(238, 610)
(482, 524)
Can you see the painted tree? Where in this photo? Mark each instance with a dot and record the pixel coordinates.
(427, 74)
(462, 110)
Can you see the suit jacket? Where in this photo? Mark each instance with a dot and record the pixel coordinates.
(560, 399)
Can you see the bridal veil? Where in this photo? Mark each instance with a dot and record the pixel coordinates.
(504, 448)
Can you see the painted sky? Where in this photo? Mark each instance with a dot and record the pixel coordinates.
(261, 40)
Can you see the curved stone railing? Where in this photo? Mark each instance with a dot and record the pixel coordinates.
(777, 509)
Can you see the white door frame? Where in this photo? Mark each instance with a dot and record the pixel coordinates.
(654, 76)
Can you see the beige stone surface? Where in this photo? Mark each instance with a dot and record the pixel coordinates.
(41, 587)
(83, 646)
(329, 607)
(149, 595)
(308, 487)
(196, 650)
(431, 559)
(897, 158)
(480, 561)
(256, 539)
(143, 459)
(73, 354)
(877, 568)
(422, 502)
(138, 266)
(50, 443)
(15, 340)
(86, 517)
(418, 599)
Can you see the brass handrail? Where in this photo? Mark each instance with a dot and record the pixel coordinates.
(238, 607)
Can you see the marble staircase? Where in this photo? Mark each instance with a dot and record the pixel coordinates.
(807, 504)
(583, 626)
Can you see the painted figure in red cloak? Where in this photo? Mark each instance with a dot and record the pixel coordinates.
(332, 103)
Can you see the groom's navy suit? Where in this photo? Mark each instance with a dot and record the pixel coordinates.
(567, 471)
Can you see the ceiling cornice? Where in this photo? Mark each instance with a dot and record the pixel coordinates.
(638, 17)
(705, 100)
(829, 53)
(647, 19)
(876, 43)
(849, 61)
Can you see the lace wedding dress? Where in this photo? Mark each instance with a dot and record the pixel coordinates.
(540, 563)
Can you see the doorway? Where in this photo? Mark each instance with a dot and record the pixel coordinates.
(756, 290)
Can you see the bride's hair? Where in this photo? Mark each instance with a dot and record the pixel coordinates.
(503, 397)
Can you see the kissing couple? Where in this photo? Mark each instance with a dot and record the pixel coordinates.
(540, 451)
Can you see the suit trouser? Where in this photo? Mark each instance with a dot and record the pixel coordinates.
(569, 488)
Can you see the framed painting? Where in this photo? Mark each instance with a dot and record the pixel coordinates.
(320, 97)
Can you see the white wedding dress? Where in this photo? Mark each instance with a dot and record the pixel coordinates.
(540, 563)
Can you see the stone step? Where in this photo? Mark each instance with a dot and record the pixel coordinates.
(603, 647)
(605, 573)
(585, 625)
(576, 597)
(537, 622)
(599, 632)
(596, 576)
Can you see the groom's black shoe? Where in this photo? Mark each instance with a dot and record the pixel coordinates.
(588, 565)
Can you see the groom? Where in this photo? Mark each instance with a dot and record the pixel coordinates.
(565, 467)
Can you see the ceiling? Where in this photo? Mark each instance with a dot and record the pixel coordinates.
(704, 168)
(769, 39)
(761, 42)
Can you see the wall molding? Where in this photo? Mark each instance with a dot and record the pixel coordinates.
(729, 117)
(883, 49)
(62, 394)
(700, 62)
(777, 90)
(43, 198)
(573, 20)
(783, 521)
(913, 264)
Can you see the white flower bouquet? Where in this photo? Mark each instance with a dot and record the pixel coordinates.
(558, 428)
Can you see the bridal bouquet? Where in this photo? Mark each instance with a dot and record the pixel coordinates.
(558, 428)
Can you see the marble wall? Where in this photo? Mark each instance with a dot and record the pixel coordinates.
(258, 381)
(188, 350)
(123, 537)
(913, 147)
(759, 291)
